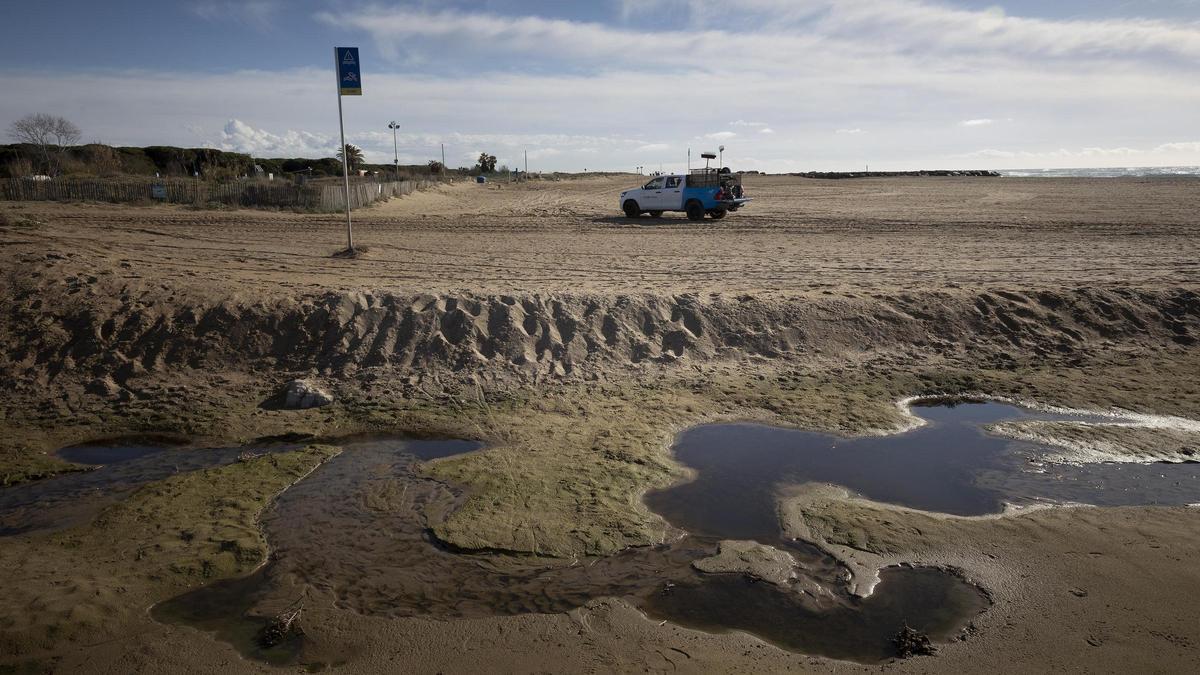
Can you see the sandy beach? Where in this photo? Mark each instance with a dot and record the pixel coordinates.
(576, 344)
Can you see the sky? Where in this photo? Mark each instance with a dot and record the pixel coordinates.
(784, 85)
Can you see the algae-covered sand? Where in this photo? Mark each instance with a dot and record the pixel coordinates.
(87, 584)
(576, 344)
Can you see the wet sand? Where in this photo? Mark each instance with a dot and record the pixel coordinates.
(1077, 589)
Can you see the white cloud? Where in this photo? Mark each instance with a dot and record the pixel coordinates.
(976, 123)
(1158, 153)
(543, 153)
(258, 13)
(564, 111)
(767, 130)
(987, 154)
(592, 95)
(932, 27)
(238, 136)
(1190, 146)
(1108, 152)
(414, 148)
(394, 29)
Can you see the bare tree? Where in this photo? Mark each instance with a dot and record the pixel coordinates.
(51, 135)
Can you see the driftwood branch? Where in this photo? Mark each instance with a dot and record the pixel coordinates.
(282, 626)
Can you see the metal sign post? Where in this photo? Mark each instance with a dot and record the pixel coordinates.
(395, 148)
(345, 60)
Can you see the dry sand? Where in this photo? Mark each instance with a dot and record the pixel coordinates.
(577, 343)
(798, 237)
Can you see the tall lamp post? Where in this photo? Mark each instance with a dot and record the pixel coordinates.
(395, 148)
(722, 160)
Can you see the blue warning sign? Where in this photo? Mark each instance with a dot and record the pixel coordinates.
(349, 76)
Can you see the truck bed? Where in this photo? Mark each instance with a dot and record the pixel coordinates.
(710, 178)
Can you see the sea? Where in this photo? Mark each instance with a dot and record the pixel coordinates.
(1123, 172)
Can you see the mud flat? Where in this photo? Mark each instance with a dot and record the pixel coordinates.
(576, 344)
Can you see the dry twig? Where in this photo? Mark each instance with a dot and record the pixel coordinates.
(282, 626)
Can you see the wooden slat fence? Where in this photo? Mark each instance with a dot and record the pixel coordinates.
(248, 193)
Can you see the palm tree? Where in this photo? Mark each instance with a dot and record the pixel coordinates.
(355, 154)
(487, 163)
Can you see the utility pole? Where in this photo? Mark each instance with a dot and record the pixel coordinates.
(689, 160)
(443, 159)
(526, 162)
(395, 148)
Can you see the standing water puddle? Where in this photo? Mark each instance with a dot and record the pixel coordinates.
(122, 465)
(950, 465)
(354, 536)
(118, 450)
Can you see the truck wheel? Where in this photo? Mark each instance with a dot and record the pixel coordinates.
(717, 214)
(695, 211)
(631, 209)
(656, 214)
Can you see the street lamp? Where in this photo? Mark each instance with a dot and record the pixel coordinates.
(395, 148)
(722, 151)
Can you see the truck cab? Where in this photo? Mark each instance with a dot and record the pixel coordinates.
(702, 192)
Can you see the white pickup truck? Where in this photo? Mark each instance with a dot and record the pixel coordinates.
(701, 192)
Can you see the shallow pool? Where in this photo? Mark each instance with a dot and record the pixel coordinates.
(121, 466)
(949, 465)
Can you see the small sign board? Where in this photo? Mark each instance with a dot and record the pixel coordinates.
(158, 192)
(349, 75)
